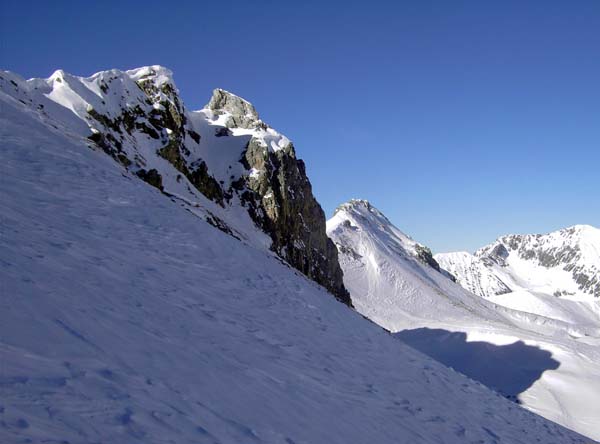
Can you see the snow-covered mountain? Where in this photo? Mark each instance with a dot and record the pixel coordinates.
(556, 275)
(222, 162)
(394, 281)
(130, 316)
(564, 263)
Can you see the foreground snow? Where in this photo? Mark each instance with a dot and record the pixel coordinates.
(549, 364)
(127, 318)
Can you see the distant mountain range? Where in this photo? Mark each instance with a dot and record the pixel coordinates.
(564, 263)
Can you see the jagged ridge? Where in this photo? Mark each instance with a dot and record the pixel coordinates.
(223, 152)
(564, 263)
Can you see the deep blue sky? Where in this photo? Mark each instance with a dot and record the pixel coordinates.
(460, 120)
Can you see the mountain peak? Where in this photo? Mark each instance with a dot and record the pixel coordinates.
(242, 113)
(356, 204)
(358, 215)
(360, 203)
(158, 73)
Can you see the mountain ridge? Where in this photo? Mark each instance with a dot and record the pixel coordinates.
(515, 260)
(223, 153)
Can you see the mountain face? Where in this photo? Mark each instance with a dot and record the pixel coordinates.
(564, 263)
(472, 273)
(393, 279)
(128, 317)
(541, 352)
(224, 153)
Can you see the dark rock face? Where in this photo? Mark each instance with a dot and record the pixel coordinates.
(152, 177)
(284, 206)
(424, 255)
(498, 255)
(280, 201)
(161, 116)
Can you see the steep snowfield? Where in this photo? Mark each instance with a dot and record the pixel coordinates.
(552, 366)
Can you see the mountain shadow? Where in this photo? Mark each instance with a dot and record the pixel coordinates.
(507, 369)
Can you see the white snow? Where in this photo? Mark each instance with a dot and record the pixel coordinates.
(127, 319)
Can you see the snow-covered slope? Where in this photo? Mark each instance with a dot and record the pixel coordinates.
(394, 281)
(127, 318)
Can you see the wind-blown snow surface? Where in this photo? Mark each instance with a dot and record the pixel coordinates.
(389, 284)
(126, 318)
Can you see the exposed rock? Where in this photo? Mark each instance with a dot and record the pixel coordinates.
(293, 218)
(152, 177)
(243, 114)
(424, 255)
(498, 255)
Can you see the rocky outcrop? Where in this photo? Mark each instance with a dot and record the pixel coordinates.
(279, 196)
(141, 121)
(284, 206)
(424, 254)
(241, 113)
(497, 255)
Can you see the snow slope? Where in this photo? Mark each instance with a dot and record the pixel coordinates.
(394, 284)
(126, 318)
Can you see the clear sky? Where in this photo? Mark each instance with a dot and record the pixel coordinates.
(460, 120)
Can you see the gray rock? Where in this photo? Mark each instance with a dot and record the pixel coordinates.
(243, 114)
(283, 205)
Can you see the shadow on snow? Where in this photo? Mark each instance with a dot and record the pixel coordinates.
(507, 369)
